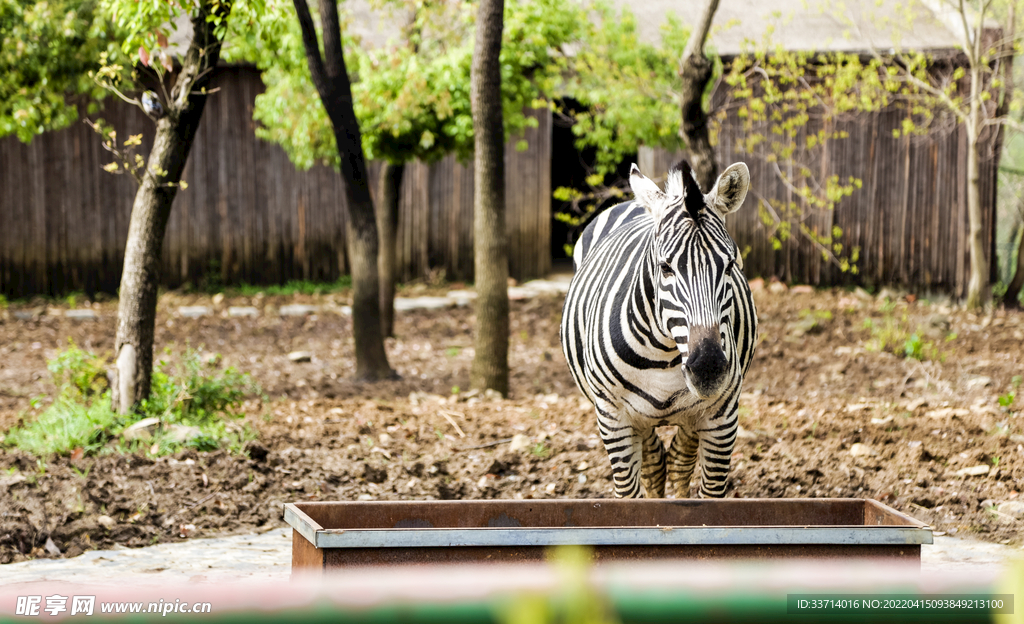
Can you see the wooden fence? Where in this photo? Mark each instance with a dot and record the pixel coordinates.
(247, 214)
(909, 219)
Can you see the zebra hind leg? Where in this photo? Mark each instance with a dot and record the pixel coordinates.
(652, 468)
(682, 458)
(624, 448)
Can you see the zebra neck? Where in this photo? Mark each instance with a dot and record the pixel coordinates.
(645, 302)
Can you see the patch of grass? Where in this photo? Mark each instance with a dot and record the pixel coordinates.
(897, 336)
(191, 394)
(294, 287)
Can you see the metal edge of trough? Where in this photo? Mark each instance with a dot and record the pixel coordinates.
(301, 522)
(625, 536)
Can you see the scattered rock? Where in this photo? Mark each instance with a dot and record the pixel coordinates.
(890, 294)
(519, 292)
(1014, 509)
(492, 395)
(28, 315)
(51, 547)
(106, 522)
(461, 298)
(744, 434)
(980, 381)
(881, 421)
(520, 442)
(185, 530)
(403, 304)
(803, 289)
(242, 311)
(862, 294)
(83, 314)
(862, 450)
(218, 299)
(915, 404)
(385, 439)
(946, 412)
(298, 309)
(806, 325)
(582, 466)
(300, 356)
(194, 311)
(973, 471)
(777, 287)
(142, 430)
(182, 433)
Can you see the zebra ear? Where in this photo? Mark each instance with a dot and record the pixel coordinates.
(730, 189)
(647, 192)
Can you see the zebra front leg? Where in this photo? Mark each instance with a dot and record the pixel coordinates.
(652, 469)
(624, 448)
(715, 451)
(682, 457)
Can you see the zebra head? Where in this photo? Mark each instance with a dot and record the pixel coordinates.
(689, 264)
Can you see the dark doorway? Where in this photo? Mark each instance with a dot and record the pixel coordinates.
(570, 168)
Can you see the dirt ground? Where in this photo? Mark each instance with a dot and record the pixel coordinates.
(824, 414)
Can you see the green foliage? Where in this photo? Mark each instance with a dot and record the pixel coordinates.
(1006, 400)
(791, 108)
(47, 50)
(78, 373)
(189, 393)
(411, 96)
(630, 88)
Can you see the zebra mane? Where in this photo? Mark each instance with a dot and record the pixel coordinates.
(681, 183)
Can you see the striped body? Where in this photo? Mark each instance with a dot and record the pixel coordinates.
(652, 294)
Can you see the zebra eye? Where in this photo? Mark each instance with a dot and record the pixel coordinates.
(666, 269)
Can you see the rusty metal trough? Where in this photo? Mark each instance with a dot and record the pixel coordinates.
(330, 535)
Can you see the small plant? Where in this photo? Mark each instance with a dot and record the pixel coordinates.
(540, 451)
(894, 335)
(1006, 400)
(189, 394)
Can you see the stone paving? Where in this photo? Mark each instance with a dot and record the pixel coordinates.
(554, 284)
(267, 556)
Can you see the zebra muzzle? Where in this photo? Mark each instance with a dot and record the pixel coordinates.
(706, 364)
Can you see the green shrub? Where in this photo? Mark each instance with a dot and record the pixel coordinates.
(190, 393)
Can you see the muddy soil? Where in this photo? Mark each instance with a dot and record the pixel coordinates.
(825, 413)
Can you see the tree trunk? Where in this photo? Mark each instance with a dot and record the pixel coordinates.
(696, 72)
(490, 246)
(978, 290)
(332, 83)
(387, 228)
(175, 132)
(1011, 298)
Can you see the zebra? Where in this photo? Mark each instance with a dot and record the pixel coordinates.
(659, 328)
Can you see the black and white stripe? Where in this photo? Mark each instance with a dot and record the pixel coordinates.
(659, 329)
